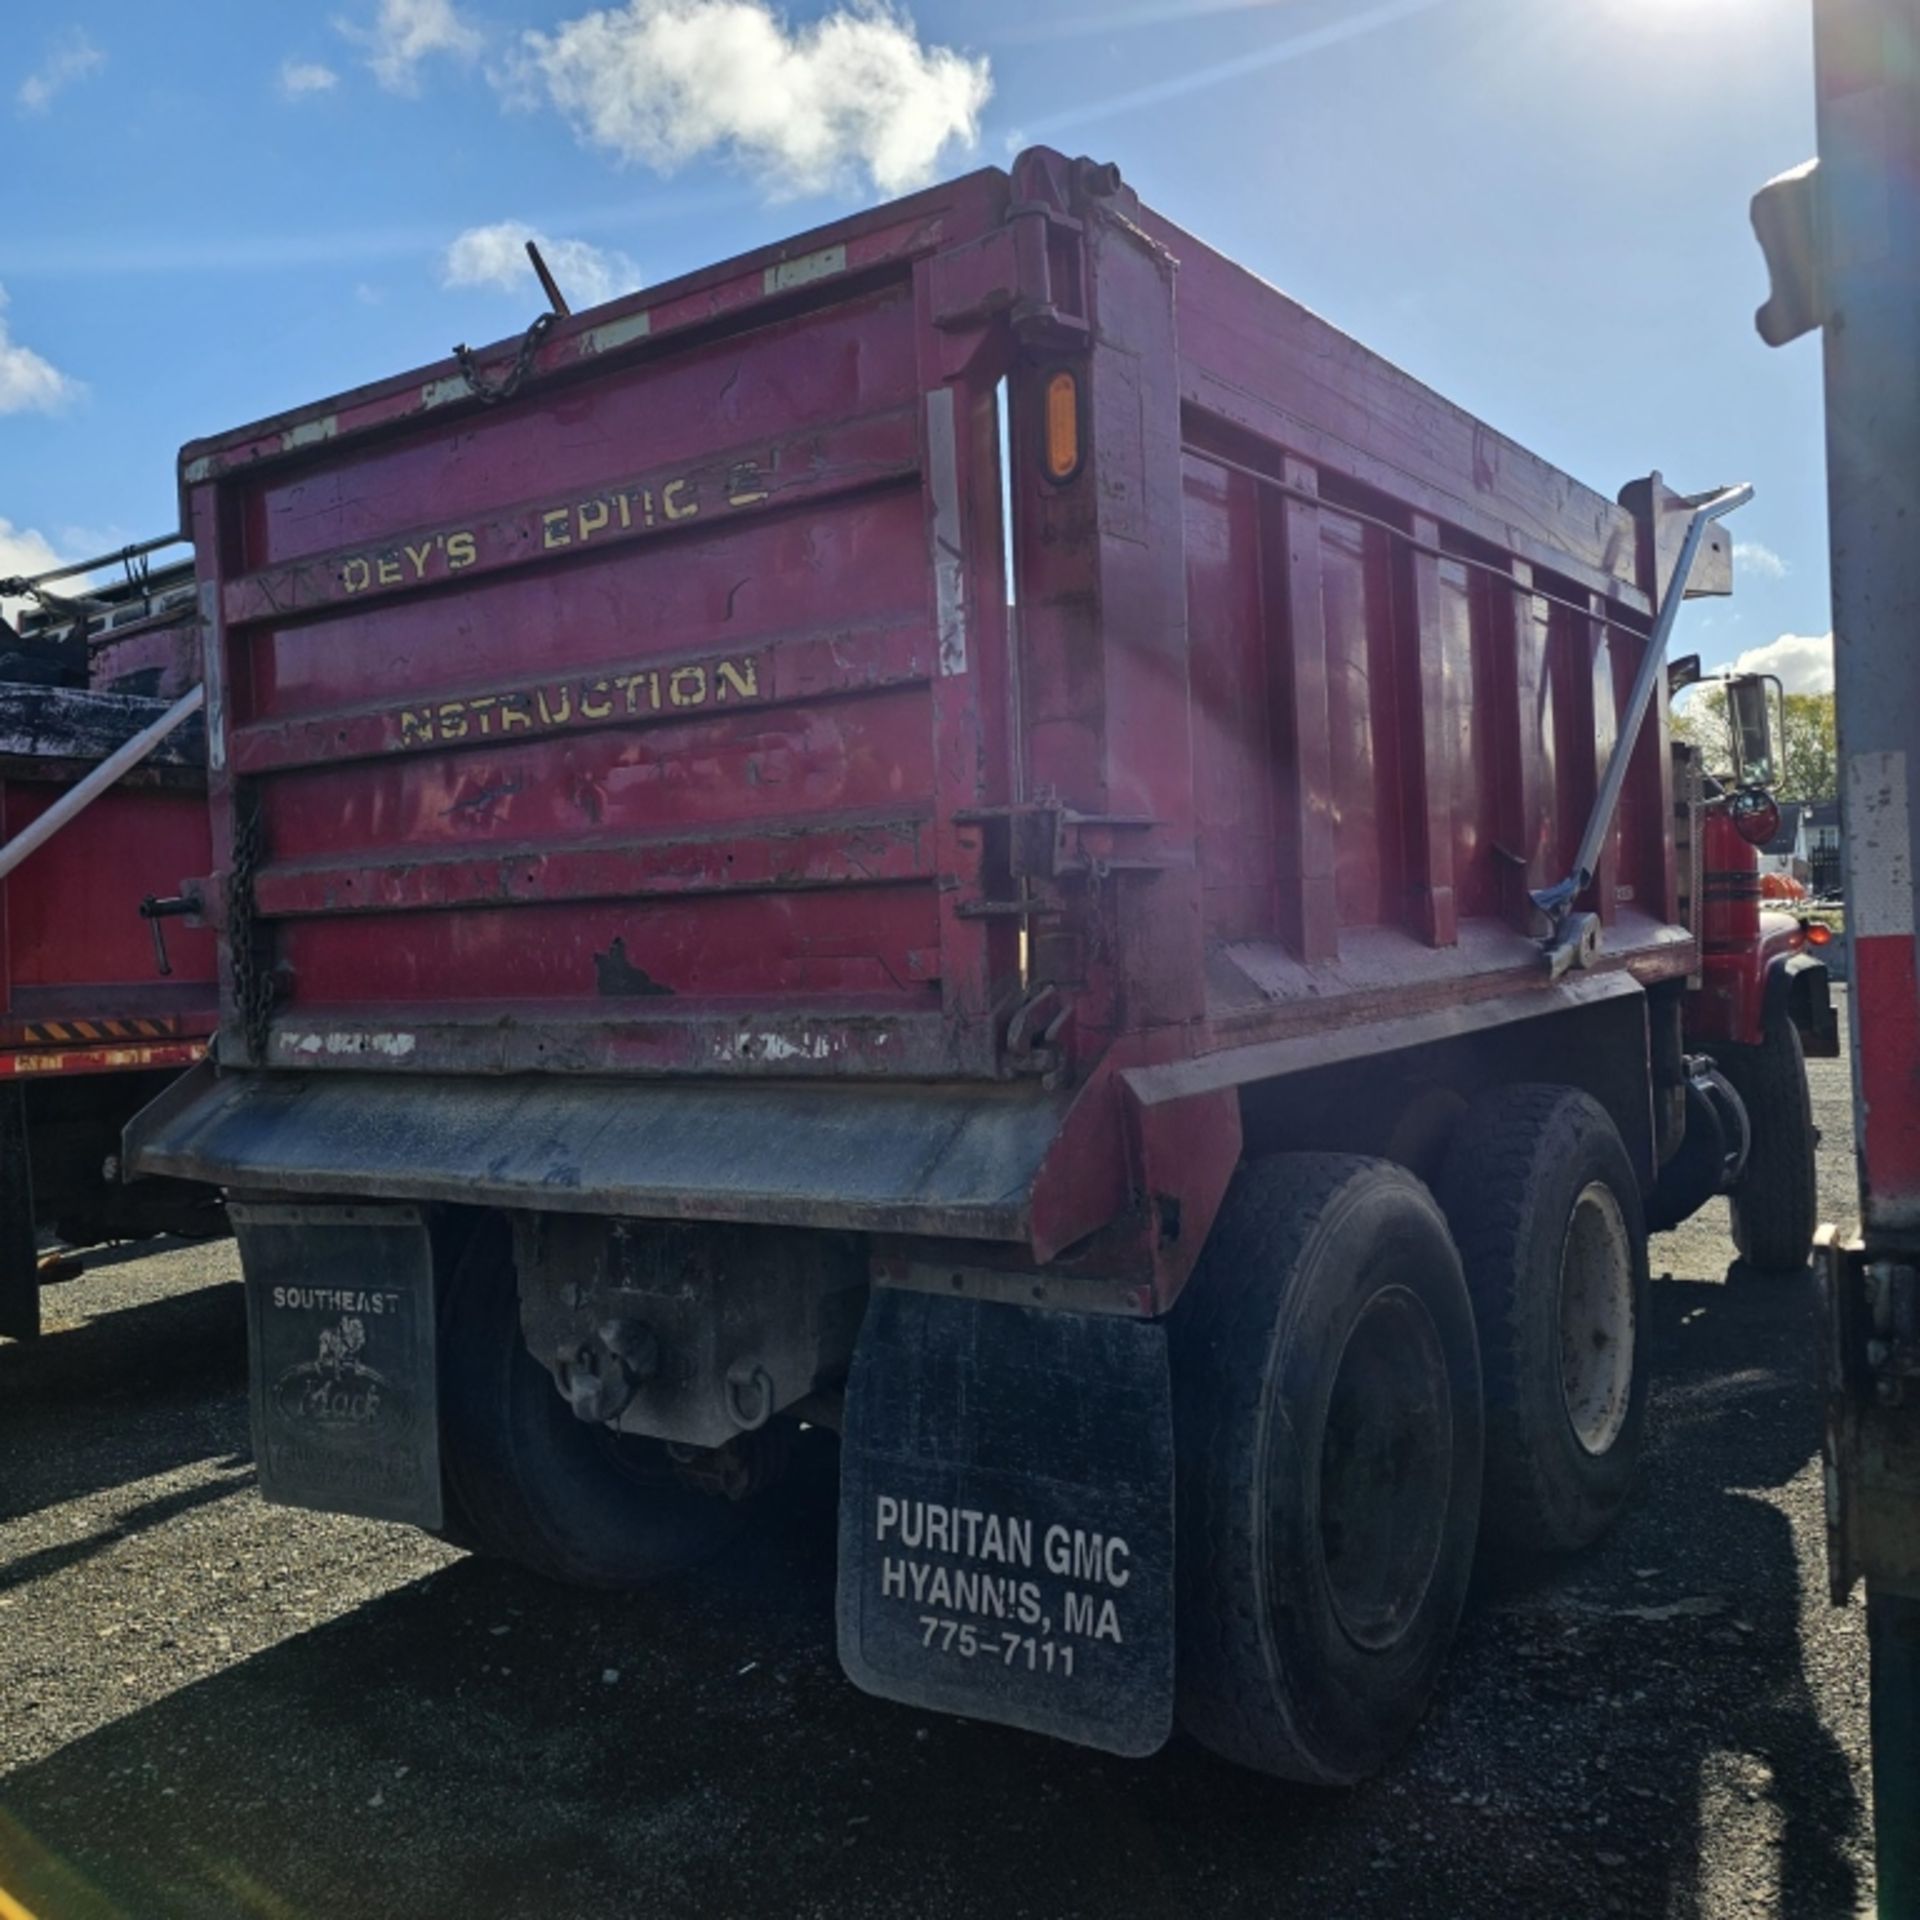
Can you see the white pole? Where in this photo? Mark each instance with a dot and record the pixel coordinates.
(98, 781)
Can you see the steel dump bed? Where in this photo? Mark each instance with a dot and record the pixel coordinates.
(81, 990)
(993, 641)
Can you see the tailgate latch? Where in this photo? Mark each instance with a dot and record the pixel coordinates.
(1029, 851)
(1034, 1033)
(1029, 271)
(154, 909)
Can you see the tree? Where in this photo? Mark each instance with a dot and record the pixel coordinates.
(1808, 761)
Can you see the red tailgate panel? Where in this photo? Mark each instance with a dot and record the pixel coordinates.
(603, 728)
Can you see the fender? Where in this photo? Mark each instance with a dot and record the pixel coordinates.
(1739, 985)
(1797, 984)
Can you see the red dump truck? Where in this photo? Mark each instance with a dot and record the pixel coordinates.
(977, 830)
(98, 1010)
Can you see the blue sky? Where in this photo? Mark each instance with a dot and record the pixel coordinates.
(212, 211)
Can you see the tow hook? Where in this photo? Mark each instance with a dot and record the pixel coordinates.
(749, 1394)
(154, 909)
(601, 1376)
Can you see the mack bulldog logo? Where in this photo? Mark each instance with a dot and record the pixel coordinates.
(336, 1393)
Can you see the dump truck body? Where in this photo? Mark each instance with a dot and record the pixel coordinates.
(899, 766)
(90, 1027)
(666, 722)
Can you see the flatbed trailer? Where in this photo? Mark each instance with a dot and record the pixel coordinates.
(977, 829)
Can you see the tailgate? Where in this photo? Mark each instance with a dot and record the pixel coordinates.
(623, 723)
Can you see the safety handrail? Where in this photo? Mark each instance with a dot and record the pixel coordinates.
(1573, 938)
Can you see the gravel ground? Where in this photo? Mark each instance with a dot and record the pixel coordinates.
(212, 1707)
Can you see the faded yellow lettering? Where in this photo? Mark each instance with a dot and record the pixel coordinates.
(388, 571)
(743, 488)
(638, 694)
(672, 508)
(591, 518)
(624, 501)
(553, 528)
(356, 576)
(461, 551)
(420, 555)
(646, 505)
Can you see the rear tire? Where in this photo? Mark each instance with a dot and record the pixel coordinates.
(1327, 1439)
(531, 1483)
(1546, 1211)
(1776, 1207)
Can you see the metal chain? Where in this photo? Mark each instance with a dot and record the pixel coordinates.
(253, 984)
(492, 393)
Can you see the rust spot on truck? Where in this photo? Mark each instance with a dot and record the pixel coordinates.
(477, 805)
(620, 979)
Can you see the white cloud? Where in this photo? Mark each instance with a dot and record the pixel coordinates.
(70, 57)
(408, 32)
(1803, 662)
(30, 383)
(1758, 558)
(496, 256)
(807, 107)
(299, 77)
(24, 551)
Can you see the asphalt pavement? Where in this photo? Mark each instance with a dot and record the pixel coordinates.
(211, 1707)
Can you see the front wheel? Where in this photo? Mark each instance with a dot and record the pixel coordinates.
(1776, 1208)
(1327, 1442)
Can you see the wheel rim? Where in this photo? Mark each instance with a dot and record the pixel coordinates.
(1386, 1468)
(1596, 1319)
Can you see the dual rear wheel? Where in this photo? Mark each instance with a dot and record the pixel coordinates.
(1358, 1362)
(1357, 1365)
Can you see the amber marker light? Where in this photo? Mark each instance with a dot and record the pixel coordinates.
(1063, 426)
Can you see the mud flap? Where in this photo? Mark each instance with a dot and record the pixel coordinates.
(340, 1334)
(1006, 1518)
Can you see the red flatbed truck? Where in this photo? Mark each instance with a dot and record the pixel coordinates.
(973, 828)
(91, 1028)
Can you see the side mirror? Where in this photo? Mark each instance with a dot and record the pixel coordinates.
(1750, 720)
